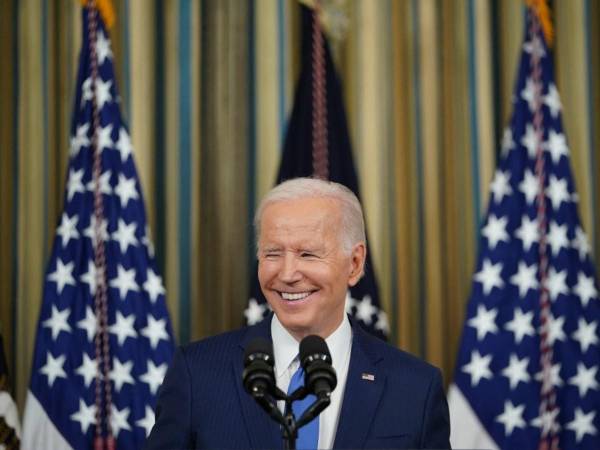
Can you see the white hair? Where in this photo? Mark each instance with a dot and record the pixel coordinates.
(352, 220)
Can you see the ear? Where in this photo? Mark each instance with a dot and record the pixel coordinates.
(357, 263)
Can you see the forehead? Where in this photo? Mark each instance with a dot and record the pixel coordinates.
(320, 216)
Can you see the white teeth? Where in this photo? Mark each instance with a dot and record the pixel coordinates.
(294, 296)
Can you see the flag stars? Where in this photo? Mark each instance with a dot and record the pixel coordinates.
(556, 145)
(91, 277)
(521, 325)
(103, 92)
(556, 283)
(580, 243)
(552, 100)
(105, 187)
(500, 186)
(525, 278)
(528, 232)
(58, 321)
(123, 327)
(53, 368)
(80, 139)
(125, 235)
(62, 275)
(585, 288)
(86, 415)
(586, 334)
(103, 48)
(88, 369)
(530, 186)
(147, 422)
(74, 183)
(365, 310)
(516, 371)
(528, 94)
(495, 230)
(86, 90)
(124, 281)
(478, 367)
(484, 322)
(555, 329)
(121, 373)
(90, 231)
(126, 190)
(88, 324)
(154, 287)
(507, 142)
(582, 424)
(254, 312)
(585, 379)
(547, 421)
(118, 420)
(155, 331)
(154, 376)
(530, 141)
(124, 145)
(511, 417)
(557, 237)
(557, 191)
(489, 276)
(147, 241)
(535, 47)
(552, 379)
(104, 139)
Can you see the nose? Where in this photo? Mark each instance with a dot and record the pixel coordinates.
(289, 272)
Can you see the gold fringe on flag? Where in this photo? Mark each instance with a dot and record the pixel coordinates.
(106, 11)
(542, 10)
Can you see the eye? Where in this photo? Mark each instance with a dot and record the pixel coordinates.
(307, 255)
(271, 254)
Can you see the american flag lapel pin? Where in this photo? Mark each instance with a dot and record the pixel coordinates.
(368, 376)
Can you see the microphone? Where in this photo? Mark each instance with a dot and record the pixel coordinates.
(315, 358)
(258, 376)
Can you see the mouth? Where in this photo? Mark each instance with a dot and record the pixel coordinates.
(295, 296)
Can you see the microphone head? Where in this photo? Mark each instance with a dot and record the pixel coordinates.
(258, 376)
(259, 348)
(319, 374)
(314, 347)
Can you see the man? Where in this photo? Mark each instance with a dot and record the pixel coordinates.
(311, 249)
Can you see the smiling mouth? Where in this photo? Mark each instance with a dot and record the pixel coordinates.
(294, 296)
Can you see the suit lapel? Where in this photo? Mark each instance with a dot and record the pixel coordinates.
(262, 431)
(364, 386)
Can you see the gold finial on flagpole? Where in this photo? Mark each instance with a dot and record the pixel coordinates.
(543, 13)
(105, 7)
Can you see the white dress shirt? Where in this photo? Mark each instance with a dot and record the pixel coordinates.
(285, 349)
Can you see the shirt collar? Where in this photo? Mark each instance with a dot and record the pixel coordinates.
(285, 347)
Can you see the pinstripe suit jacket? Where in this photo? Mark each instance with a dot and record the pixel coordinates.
(202, 403)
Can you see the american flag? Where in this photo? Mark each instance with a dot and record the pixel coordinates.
(362, 300)
(496, 398)
(61, 403)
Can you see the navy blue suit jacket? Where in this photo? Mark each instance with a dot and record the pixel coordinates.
(202, 403)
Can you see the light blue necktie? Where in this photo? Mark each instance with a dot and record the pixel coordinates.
(308, 435)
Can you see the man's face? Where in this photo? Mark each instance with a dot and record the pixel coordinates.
(302, 268)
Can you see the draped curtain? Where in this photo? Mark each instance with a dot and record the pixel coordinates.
(206, 88)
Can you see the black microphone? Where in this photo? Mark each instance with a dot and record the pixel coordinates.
(258, 376)
(315, 358)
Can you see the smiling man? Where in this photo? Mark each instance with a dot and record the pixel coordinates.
(311, 249)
